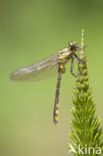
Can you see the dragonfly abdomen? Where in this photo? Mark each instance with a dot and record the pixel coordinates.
(56, 106)
(61, 70)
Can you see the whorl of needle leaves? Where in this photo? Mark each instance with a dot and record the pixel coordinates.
(85, 127)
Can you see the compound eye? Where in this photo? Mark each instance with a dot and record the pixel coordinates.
(71, 43)
(74, 42)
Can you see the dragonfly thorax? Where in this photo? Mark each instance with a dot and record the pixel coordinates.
(64, 55)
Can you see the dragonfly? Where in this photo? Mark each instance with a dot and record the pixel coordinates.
(48, 67)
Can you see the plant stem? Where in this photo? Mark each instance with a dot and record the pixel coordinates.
(85, 127)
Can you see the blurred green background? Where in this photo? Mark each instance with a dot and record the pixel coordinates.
(29, 31)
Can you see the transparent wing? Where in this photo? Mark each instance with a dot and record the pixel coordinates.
(44, 69)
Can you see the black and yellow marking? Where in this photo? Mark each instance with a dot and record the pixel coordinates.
(56, 105)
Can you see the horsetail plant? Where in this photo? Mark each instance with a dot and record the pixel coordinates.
(85, 133)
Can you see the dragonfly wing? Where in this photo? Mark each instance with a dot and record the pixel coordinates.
(44, 69)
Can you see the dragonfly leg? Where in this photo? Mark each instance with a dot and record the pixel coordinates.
(77, 58)
(56, 107)
(72, 65)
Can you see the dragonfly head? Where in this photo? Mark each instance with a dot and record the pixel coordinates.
(73, 45)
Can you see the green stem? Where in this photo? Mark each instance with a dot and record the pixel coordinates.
(85, 127)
